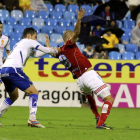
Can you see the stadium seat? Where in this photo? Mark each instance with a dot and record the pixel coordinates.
(69, 16)
(70, 28)
(3, 20)
(128, 56)
(138, 55)
(60, 44)
(17, 14)
(25, 21)
(43, 14)
(56, 15)
(38, 22)
(119, 23)
(41, 38)
(16, 37)
(125, 38)
(115, 55)
(53, 44)
(81, 47)
(56, 38)
(94, 8)
(36, 28)
(131, 48)
(60, 8)
(73, 23)
(7, 30)
(12, 44)
(129, 24)
(51, 22)
(127, 32)
(49, 7)
(47, 29)
(19, 29)
(30, 14)
(73, 8)
(46, 56)
(60, 30)
(121, 48)
(4, 13)
(63, 22)
(88, 9)
(11, 21)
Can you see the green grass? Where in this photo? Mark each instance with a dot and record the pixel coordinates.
(70, 124)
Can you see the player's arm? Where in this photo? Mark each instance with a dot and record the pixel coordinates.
(77, 29)
(7, 48)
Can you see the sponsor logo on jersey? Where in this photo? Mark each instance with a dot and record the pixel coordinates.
(2, 42)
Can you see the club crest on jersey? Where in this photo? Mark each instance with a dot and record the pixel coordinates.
(2, 42)
(63, 60)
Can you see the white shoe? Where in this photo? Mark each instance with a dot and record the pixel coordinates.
(35, 123)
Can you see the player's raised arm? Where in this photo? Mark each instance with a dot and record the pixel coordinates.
(81, 14)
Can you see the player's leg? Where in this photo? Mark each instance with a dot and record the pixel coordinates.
(4, 106)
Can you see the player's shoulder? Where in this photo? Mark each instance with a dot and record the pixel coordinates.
(4, 37)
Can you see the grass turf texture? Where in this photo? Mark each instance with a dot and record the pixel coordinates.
(69, 124)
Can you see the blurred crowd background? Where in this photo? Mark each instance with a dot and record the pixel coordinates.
(109, 30)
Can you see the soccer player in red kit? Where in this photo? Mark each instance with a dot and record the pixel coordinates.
(87, 79)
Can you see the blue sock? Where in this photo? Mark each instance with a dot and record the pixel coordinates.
(8, 101)
(33, 98)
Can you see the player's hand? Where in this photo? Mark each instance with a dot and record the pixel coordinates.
(81, 13)
(47, 40)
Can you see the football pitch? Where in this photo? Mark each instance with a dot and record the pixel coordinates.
(70, 124)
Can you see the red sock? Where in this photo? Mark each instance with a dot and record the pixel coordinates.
(104, 112)
(93, 106)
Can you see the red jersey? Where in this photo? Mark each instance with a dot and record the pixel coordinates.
(73, 59)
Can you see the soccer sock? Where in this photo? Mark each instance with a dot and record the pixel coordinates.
(33, 98)
(104, 112)
(93, 106)
(5, 106)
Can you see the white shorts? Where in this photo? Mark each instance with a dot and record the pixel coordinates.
(91, 81)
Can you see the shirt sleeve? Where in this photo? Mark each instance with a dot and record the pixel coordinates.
(7, 46)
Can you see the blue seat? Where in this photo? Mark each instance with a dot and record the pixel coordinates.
(41, 43)
(50, 22)
(69, 16)
(47, 30)
(7, 30)
(41, 38)
(36, 28)
(70, 28)
(65, 23)
(43, 14)
(19, 29)
(88, 9)
(17, 14)
(125, 38)
(46, 56)
(60, 44)
(50, 7)
(81, 47)
(4, 13)
(53, 44)
(29, 14)
(12, 44)
(56, 15)
(128, 56)
(94, 8)
(56, 37)
(38, 22)
(127, 32)
(131, 48)
(16, 37)
(73, 8)
(129, 24)
(25, 22)
(138, 55)
(11, 21)
(60, 30)
(3, 20)
(60, 8)
(115, 55)
(119, 23)
(73, 23)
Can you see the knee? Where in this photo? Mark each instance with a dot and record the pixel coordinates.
(109, 98)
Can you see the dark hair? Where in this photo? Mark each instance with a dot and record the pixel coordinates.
(28, 31)
(0, 22)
